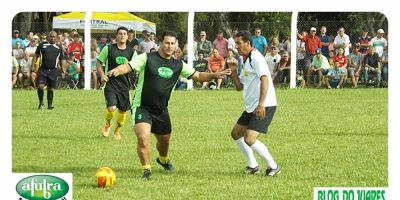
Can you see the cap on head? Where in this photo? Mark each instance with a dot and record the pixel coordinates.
(318, 50)
(313, 29)
(381, 31)
(16, 31)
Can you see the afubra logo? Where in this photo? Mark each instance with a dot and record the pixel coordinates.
(39, 187)
(165, 72)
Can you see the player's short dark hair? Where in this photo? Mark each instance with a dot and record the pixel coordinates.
(246, 36)
(122, 28)
(168, 33)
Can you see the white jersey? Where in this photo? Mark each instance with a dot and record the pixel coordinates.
(249, 76)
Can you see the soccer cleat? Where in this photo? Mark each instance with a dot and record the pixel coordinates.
(40, 107)
(106, 130)
(249, 170)
(147, 174)
(50, 107)
(167, 166)
(117, 135)
(273, 172)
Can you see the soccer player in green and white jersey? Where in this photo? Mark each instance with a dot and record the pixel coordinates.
(116, 91)
(159, 72)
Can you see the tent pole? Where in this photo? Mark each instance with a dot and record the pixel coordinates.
(88, 17)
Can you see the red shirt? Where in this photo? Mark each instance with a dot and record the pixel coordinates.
(216, 63)
(77, 48)
(341, 59)
(312, 43)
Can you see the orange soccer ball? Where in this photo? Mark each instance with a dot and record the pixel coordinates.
(105, 177)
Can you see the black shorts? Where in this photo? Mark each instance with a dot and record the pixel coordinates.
(47, 77)
(261, 126)
(119, 99)
(160, 121)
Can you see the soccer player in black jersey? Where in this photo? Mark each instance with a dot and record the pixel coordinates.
(116, 91)
(159, 72)
(50, 55)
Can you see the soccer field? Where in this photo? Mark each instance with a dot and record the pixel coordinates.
(321, 138)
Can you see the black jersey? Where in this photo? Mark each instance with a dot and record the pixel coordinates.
(157, 79)
(49, 54)
(112, 56)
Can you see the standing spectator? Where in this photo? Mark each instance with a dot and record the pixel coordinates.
(31, 49)
(385, 66)
(28, 38)
(301, 53)
(204, 45)
(283, 70)
(143, 35)
(67, 39)
(273, 59)
(95, 76)
(365, 42)
(319, 66)
(76, 47)
(221, 44)
(231, 43)
(379, 42)
(312, 43)
(18, 53)
(14, 69)
(259, 42)
(147, 44)
(93, 46)
(335, 77)
(274, 43)
(16, 38)
(51, 56)
(132, 41)
(103, 41)
(216, 64)
(260, 106)
(355, 64)
(324, 41)
(342, 40)
(372, 65)
(25, 69)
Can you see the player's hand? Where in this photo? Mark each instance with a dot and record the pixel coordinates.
(104, 79)
(113, 72)
(232, 66)
(260, 112)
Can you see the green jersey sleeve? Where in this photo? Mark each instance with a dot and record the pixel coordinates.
(103, 55)
(187, 71)
(134, 55)
(138, 62)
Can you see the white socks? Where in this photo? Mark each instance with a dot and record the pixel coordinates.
(262, 150)
(247, 152)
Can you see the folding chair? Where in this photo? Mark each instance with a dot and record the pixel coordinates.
(73, 84)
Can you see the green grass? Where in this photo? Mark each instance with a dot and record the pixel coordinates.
(321, 138)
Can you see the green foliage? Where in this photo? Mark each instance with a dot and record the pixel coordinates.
(321, 138)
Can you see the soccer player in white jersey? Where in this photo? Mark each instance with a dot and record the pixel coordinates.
(255, 80)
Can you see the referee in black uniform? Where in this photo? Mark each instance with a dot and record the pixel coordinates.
(50, 55)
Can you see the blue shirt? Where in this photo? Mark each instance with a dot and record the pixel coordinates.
(259, 43)
(324, 49)
(15, 40)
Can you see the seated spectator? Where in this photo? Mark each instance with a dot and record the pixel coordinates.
(284, 68)
(385, 66)
(355, 64)
(200, 64)
(273, 59)
(342, 59)
(73, 69)
(230, 59)
(24, 71)
(330, 59)
(319, 67)
(181, 84)
(335, 76)
(300, 82)
(372, 66)
(216, 63)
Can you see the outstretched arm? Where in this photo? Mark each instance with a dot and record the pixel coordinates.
(205, 76)
(234, 75)
(120, 70)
